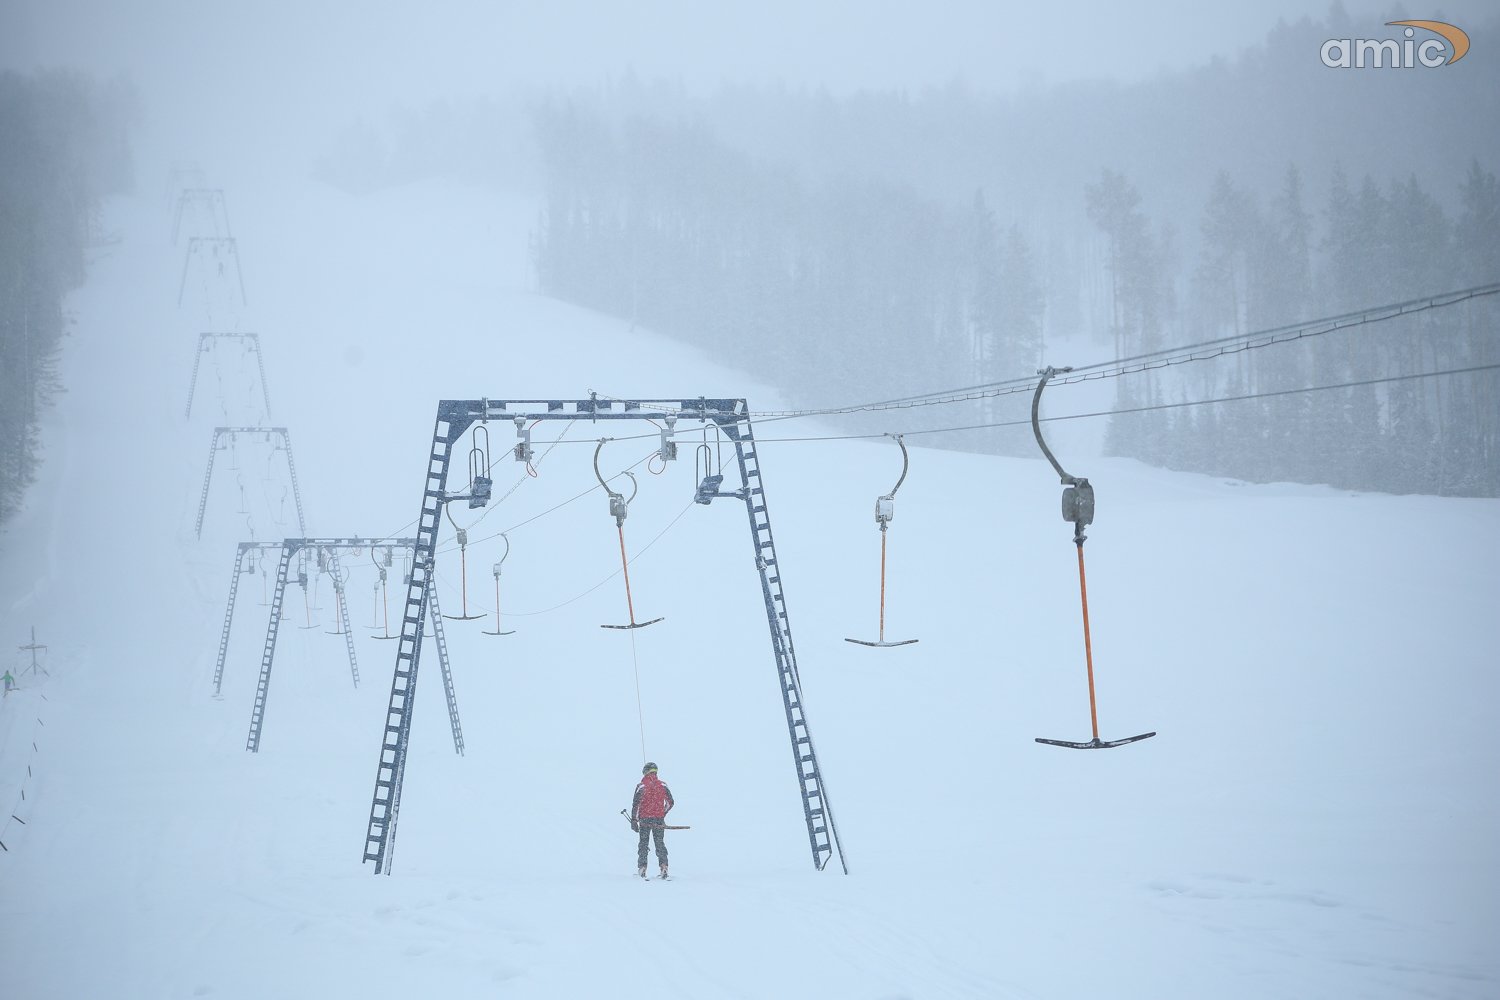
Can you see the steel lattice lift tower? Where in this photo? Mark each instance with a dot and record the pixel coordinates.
(219, 248)
(329, 547)
(233, 433)
(206, 342)
(454, 417)
(209, 201)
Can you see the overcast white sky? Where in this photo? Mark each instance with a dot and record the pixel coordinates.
(251, 64)
(417, 49)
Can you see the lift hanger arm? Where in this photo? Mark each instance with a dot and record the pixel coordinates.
(1036, 425)
(905, 464)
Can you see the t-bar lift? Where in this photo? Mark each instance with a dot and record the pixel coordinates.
(232, 434)
(218, 249)
(206, 201)
(327, 556)
(206, 343)
(1077, 509)
(328, 549)
(454, 418)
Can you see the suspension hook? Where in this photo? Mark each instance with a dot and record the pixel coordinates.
(503, 555)
(1078, 497)
(885, 507)
(619, 505)
(461, 533)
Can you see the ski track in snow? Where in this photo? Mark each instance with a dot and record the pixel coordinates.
(1316, 817)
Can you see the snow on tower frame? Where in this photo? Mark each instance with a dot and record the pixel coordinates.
(454, 418)
(206, 343)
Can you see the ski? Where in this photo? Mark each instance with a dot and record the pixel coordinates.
(1095, 744)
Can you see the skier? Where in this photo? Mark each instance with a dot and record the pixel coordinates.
(10, 682)
(648, 817)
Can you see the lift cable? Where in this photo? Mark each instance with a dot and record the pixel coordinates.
(550, 510)
(1140, 409)
(1165, 357)
(635, 558)
(1201, 351)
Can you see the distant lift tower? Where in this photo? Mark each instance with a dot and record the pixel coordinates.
(183, 174)
(217, 250)
(232, 434)
(454, 417)
(206, 343)
(206, 203)
(330, 547)
(327, 550)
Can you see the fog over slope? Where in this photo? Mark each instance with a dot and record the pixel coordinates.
(902, 213)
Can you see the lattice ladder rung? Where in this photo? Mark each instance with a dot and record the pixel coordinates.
(193, 385)
(822, 836)
(265, 388)
(268, 655)
(208, 477)
(343, 609)
(234, 587)
(291, 467)
(385, 803)
(440, 637)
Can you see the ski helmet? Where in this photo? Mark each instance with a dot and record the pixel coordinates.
(649, 768)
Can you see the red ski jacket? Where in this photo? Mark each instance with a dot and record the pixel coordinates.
(652, 800)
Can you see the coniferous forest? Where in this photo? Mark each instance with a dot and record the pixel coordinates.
(850, 250)
(62, 148)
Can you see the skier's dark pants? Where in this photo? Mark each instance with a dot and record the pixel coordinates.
(648, 829)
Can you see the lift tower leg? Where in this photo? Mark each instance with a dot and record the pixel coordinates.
(454, 417)
(822, 834)
(338, 596)
(385, 806)
(234, 586)
(268, 655)
(441, 639)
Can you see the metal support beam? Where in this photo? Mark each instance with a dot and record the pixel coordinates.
(234, 588)
(289, 547)
(268, 655)
(207, 341)
(822, 834)
(439, 637)
(385, 804)
(291, 465)
(210, 200)
(454, 417)
(343, 612)
(220, 244)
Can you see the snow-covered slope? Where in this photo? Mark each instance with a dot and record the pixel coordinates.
(1316, 818)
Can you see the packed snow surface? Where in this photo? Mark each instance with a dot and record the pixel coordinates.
(1317, 816)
